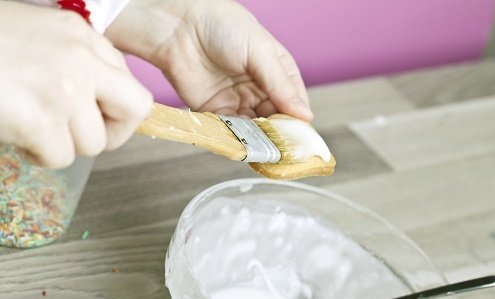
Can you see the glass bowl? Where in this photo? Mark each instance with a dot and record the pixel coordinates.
(257, 238)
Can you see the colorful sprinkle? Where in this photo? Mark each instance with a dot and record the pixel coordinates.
(33, 202)
(85, 235)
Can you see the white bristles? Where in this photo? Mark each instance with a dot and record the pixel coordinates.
(296, 139)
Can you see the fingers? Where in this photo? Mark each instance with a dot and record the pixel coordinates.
(72, 90)
(52, 147)
(123, 101)
(227, 111)
(291, 68)
(41, 138)
(247, 112)
(88, 130)
(120, 95)
(106, 112)
(118, 132)
(279, 77)
(265, 109)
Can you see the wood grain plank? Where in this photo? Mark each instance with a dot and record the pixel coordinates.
(462, 248)
(417, 139)
(342, 103)
(426, 197)
(447, 84)
(142, 149)
(117, 267)
(448, 209)
(354, 158)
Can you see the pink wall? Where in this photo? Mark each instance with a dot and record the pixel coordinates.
(342, 39)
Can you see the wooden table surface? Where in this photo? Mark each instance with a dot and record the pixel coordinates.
(418, 148)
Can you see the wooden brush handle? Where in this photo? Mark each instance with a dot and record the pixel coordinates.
(205, 130)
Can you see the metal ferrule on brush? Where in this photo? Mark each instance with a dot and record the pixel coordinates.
(258, 146)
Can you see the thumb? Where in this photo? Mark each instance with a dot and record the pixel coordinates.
(276, 72)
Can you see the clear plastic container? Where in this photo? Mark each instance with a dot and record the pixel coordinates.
(37, 204)
(270, 239)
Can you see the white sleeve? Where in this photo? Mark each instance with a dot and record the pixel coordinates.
(104, 12)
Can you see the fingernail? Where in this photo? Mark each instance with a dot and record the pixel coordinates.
(303, 110)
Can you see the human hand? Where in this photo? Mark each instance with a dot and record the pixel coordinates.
(64, 89)
(215, 54)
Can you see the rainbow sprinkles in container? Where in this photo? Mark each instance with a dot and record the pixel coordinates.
(33, 207)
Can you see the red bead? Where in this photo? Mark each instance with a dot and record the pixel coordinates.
(78, 6)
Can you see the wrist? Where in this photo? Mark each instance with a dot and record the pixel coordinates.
(145, 26)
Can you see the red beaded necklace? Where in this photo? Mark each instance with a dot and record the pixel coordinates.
(78, 6)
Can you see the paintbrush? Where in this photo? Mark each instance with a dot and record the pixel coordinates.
(278, 147)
